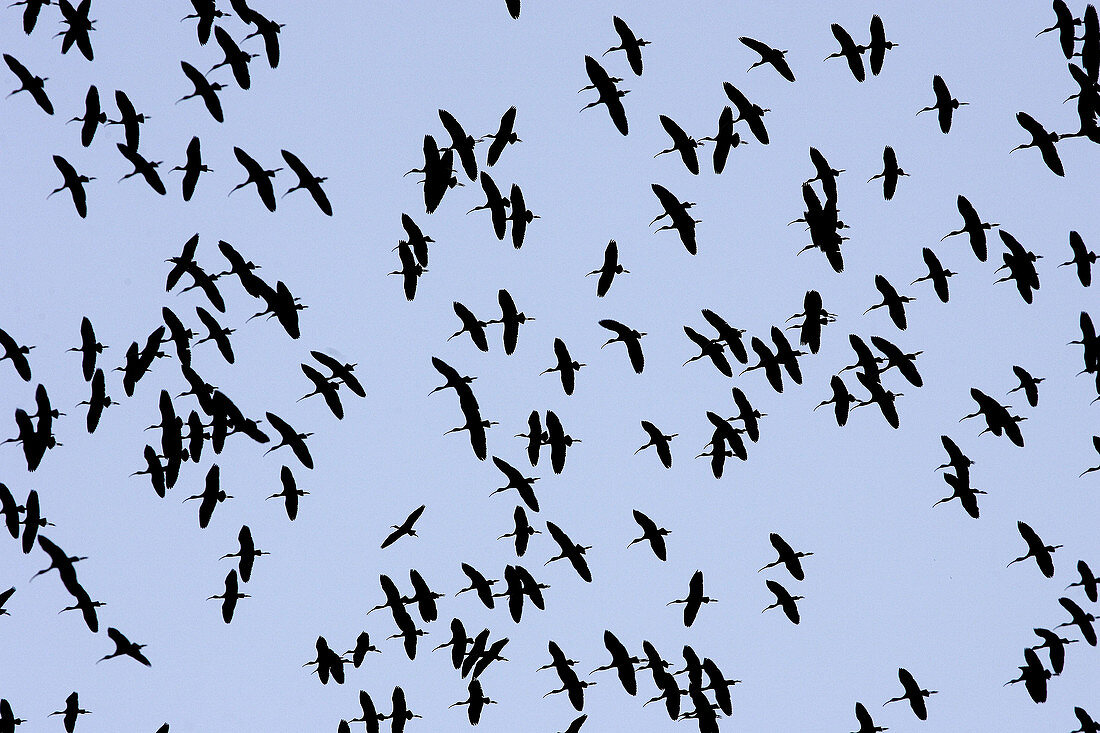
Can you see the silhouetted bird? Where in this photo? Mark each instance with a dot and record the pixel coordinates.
(8, 721)
(1028, 383)
(937, 274)
(913, 693)
(71, 711)
(679, 219)
(566, 366)
(516, 480)
(1088, 725)
(75, 183)
(1036, 549)
(130, 119)
(290, 437)
(972, 226)
(206, 13)
(480, 585)
(658, 440)
(205, 89)
(571, 551)
(610, 95)
(325, 388)
(682, 142)
(1042, 140)
(247, 553)
(235, 58)
(192, 168)
(695, 598)
(893, 302)
(631, 338)
(849, 51)
(290, 493)
(1056, 646)
(495, 204)
(652, 533)
(79, 26)
(257, 175)
(963, 491)
(1083, 258)
(622, 662)
(461, 143)
(1034, 676)
(94, 116)
(476, 702)
(410, 270)
(1064, 24)
(405, 528)
(629, 43)
(787, 557)
(212, 495)
(28, 82)
(340, 371)
(125, 647)
(522, 534)
(520, 217)
(727, 334)
(769, 55)
(503, 137)
(896, 358)
(558, 441)
(784, 599)
(769, 362)
(30, 12)
(1080, 619)
(269, 31)
(945, 103)
(328, 663)
(709, 348)
(879, 45)
(724, 140)
(308, 181)
(230, 597)
(890, 173)
(146, 168)
(752, 114)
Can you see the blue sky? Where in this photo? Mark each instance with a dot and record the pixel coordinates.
(892, 582)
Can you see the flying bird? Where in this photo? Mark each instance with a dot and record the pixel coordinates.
(913, 693)
(769, 55)
(628, 43)
(405, 528)
(945, 103)
(695, 598)
(308, 181)
(891, 171)
(28, 82)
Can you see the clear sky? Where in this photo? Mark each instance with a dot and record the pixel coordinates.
(892, 582)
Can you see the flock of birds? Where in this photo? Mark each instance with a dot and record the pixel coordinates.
(700, 691)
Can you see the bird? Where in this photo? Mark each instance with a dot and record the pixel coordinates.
(93, 117)
(631, 338)
(205, 89)
(247, 553)
(913, 693)
(362, 646)
(896, 358)
(825, 173)
(785, 599)
(878, 45)
(973, 226)
(269, 31)
(125, 647)
(709, 348)
(59, 561)
(998, 419)
(1080, 619)
(658, 440)
(206, 14)
(866, 722)
(679, 219)
(769, 55)
(1036, 549)
(1064, 24)
(752, 114)
(89, 348)
(417, 240)
(558, 441)
(328, 663)
(8, 721)
(571, 551)
(695, 598)
(30, 12)
(787, 557)
(234, 57)
(1041, 139)
(130, 119)
(1088, 581)
(325, 388)
(607, 271)
(945, 103)
(28, 82)
(476, 702)
(461, 143)
(290, 493)
(652, 533)
(495, 204)
(1034, 676)
(410, 270)
(71, 712)
(566, 366)
(405, 528)
(724, 140)
(308, 181)
(747, 414)
(257, 175)
(230, 597)
(472, 325)
(610, 95)
(894, 303)
(890, 173)
(1083, 259)
(1088, 725)
(75, 183)
(400, 713)
(1056, 646)
(522, 534)
(340, 371)
(479, 584)
(769, 362)
(682, 142)
(290, 437)
(503, 137)
(216, 333)
(520, 217)
(1028, 383)
(629, 43)
(963, 491)
(621, 661)
(211, 496)
(475, 425)
(146, 168)
(519, 482)
(849, 51)
(727, 334)
(370, 713)
(937, 274)
(79, 26)
(192, 168)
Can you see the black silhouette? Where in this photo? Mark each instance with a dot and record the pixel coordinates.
(629, 43)
(945, 103)
(769, 55)
(405, 528)
(695, 598)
